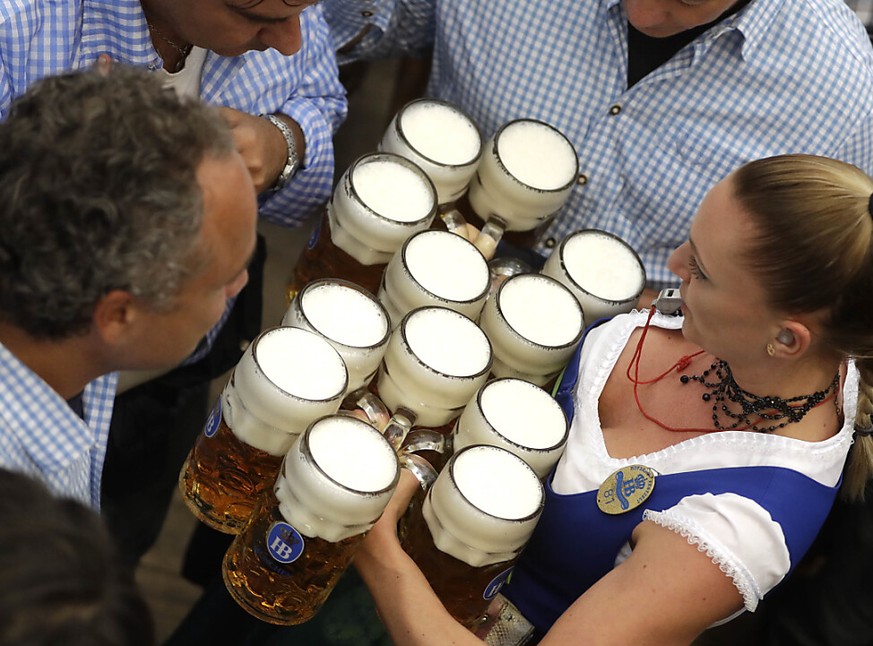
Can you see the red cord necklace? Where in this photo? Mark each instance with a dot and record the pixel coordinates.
(793, 412)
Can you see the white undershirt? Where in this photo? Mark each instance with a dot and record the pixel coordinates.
(186, 82)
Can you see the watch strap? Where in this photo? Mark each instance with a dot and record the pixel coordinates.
(293, 161)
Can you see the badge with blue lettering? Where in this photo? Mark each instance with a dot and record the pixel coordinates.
(214, 420)
(496, 584)
(284, 543)
(626, 489)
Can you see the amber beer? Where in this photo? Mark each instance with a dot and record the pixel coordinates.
(380, 201)
(534, 324)
(335, 483)
(439, 137)
(436, 360)
(603, 271)
(350, 318)
(435, 268)
(472, 524)
(287, 378)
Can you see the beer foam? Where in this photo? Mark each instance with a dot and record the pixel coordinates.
(353, 454)
(393, 190)
(301, 363)
(447, 265)
(440, 133)
(540, 309)
(345, 315)
(603, 266)
(523, 413)
(447, 341)
(497, 482)
(537, 155)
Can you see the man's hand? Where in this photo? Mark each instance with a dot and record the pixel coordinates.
(261, 145)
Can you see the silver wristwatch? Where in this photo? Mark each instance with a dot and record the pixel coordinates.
(293, 161)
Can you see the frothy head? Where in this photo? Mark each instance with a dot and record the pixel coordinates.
(540, 309)
(343, 313)
(603, 265)
(537, 154)
(447, 342)
(353, 454)
(301, 363)
(447, 265)
(440, 132)
(523, 413)
(497, 482)
(393, 188)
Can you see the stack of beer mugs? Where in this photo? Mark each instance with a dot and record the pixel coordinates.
(400, 343)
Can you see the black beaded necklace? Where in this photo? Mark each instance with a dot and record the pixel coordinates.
(774, 409)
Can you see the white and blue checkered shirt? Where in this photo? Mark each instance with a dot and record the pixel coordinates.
(779, 76)
(41, 436)
(39, 38)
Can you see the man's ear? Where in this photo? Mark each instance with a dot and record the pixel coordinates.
(114, 316)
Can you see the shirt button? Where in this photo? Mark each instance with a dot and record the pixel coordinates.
(614, 110)
(550, 243)
(367, 14)
(582, 180)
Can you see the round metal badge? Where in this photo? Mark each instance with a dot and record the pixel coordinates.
(626, 489)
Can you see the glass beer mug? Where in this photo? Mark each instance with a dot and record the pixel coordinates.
(534, 324)
(335, 482)
(287, 378)
(518, 416)
(524, 178)
(604, 273)
(466, 532)
(350, 319)
(435, 268)
(441, 139)
(436, 360)
(380, 201)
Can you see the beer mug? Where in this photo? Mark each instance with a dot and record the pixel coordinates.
(534, 324)
(526, 175)
(350, 319)
(439, 137)
(335, 482)
(466, 532)
(380, 201)
(604, 272)
(518, 416)
(286, 378)
(435, 268)
(436, 360)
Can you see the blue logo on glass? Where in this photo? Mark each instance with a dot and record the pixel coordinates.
(284, 542)
(214, 420)
(497, 582)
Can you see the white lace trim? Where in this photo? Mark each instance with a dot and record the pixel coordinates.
(721, 556)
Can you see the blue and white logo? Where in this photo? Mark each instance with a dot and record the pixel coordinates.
(284, 542)
(214, 420)
(496, 584)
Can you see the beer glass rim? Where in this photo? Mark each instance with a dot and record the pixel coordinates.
(565, 270)
(401, 327)
(398, 119)
(392, 157)
(450, 467)
(496, 155)
(523, 447)
(321, 282)
(406, 270)
(307, 451)
(282, 391)
(536, 344)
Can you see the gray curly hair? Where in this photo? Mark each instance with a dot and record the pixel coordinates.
(98, 191)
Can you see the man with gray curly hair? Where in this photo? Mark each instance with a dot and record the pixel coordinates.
(127, 220)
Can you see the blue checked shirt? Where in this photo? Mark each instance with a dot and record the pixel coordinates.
(779, 76)
(41, 436)
(39, 38)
